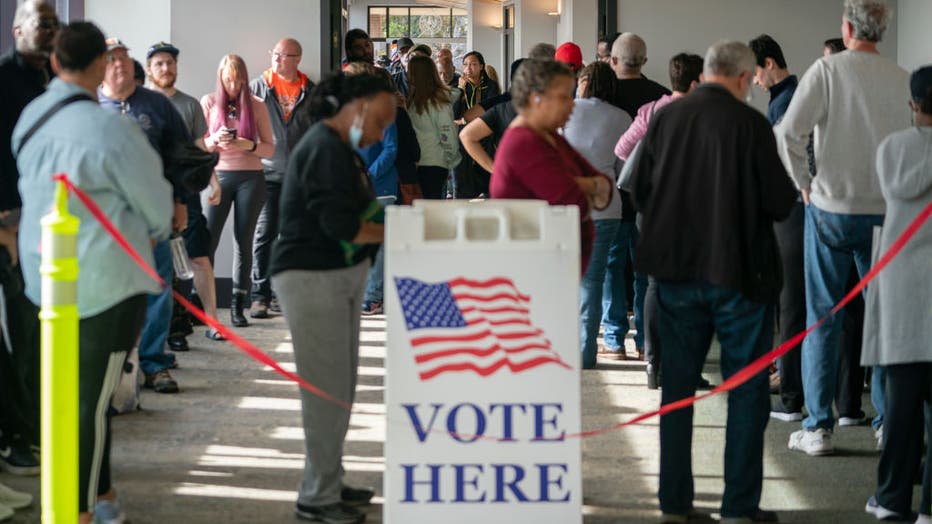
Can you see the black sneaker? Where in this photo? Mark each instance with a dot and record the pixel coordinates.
(356, 496)
(336, 513)
(16, 457)
(178, 343)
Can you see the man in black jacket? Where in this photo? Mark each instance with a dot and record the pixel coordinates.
(285, 91)
(25, 73)
(710, 185)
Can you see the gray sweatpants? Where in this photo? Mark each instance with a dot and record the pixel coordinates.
(322, 309)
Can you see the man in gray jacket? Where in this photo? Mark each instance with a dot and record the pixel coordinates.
(285, 91)
(843, 204)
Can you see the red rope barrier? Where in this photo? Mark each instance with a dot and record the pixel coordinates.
(742, 376)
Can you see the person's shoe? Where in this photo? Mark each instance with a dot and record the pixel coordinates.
(161, 382)
(760, 516)
(861, 420)
(653, 376)
(16, 458)
(780, 412)
(371, 307)
(108, 512)
(237, 319)
(6, 512)
(213, 334)
(336, 513)
(14, 499)
(259, 310)
(694, 516)
(704, 384)
(356, 496)
(274, 306)
(881, 512)
(923, 519)
(813, 443)
(178, 344)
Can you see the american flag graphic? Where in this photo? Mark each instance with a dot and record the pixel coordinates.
(480, 326)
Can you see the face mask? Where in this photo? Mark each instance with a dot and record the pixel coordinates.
(355, 130)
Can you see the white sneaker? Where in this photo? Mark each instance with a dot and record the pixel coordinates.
(852, 421)
(786, 416)
(812, 443)
(879, 511)
(923, 519)
(14, 499)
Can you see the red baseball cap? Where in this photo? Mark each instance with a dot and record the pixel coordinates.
(570, 54)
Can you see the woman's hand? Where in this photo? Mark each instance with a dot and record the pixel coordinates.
(243, 144)
(598, 190)
(220, 139)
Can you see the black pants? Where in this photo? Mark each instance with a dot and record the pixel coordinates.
(850, 387)
(19, 365)
(652, 353)
(266, 233)
(909, 388)
(471, 179)
(792, 317)
(245, 191)
(104, 341)
(432, 180)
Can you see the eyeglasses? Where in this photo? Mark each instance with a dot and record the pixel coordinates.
(273, 54)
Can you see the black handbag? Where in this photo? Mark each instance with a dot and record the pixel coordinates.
(188, 165)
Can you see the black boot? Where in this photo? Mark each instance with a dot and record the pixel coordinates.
(653, 376)
(236, 310)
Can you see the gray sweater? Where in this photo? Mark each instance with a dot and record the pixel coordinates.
(899, 303)
(852, 100)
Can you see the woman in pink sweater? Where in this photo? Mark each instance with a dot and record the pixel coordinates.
(239, 128)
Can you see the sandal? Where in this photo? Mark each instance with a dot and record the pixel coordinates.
(213, 334)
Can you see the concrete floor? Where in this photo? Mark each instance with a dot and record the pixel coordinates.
(229, 447)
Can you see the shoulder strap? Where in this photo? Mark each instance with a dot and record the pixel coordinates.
(48, 114)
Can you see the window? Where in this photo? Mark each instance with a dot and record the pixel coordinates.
(437, 27)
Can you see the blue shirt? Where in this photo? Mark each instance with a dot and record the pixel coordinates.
(157, 116)
(110, 158)
(380, 160)
(780, 95)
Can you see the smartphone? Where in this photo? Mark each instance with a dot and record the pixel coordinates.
(232, 132)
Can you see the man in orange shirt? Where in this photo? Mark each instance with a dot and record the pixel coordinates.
(285, 91)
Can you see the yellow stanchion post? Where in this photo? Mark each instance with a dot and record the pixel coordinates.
(60, 363)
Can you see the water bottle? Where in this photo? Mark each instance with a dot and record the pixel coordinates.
(180, 259)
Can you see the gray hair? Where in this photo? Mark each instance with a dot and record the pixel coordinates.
(729, 58)
(630, 50)
(869, 18)
(534, 77)
(542, 51)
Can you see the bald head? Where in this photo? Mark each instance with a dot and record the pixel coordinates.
(629, 54)
(286, 56)
(34, 26)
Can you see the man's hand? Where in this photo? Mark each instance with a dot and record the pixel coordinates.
(8, 241)
(215, 191)
(180, 217)
(805, 194)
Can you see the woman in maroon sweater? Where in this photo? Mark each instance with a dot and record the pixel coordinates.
(534, 162)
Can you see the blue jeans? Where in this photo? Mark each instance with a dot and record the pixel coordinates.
(376, 277)
(689, 315)
(614, 295)
(152, 355)
(590, 293)
(831, 242)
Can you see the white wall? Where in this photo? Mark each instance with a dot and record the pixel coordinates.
(485, 35)
(533, 25)
(914, 45)
(137, 24)
(799, 26)
(578, 23)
